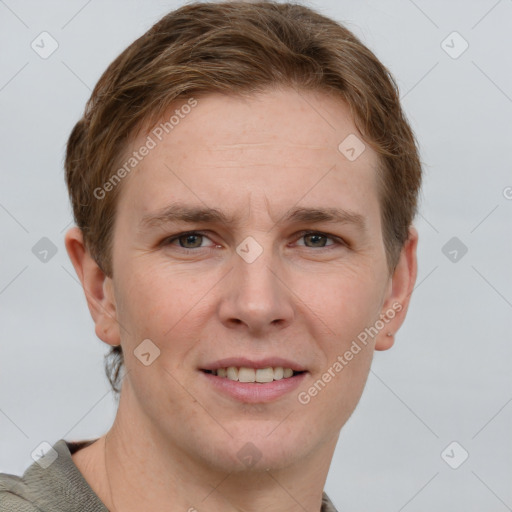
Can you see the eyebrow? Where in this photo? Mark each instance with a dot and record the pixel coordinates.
(194, 214)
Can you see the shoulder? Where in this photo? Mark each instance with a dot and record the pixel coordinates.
(327, 505)
(52, 483)
(14, 495)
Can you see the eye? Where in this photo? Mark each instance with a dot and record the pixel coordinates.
(195, 240)
(318, 239)
(189, 240)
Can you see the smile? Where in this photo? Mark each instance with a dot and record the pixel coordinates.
(260, 375)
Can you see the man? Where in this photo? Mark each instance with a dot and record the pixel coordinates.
(244, 183)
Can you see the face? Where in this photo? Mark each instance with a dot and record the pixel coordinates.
(246, 239)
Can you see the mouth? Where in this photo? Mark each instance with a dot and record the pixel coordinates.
(256, 382)
(254, 375)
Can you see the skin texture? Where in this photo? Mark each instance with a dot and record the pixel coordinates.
(175, 438)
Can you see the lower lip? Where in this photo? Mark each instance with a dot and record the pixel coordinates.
(253, 392)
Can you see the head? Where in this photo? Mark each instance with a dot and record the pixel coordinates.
(250, 123)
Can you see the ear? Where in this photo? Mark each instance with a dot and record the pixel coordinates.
(399, 292)
(97, 287)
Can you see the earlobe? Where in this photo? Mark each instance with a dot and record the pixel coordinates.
(399, 292)
(385, 342)
(97, 288)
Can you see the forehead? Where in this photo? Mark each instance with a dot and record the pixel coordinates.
(280, 148)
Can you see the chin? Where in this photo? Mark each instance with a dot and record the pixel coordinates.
(260, 447)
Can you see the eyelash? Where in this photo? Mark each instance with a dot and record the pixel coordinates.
(337, 241)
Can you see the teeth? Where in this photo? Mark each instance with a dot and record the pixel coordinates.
(246, 375)
(265, 375)
(232, 373)
(278, 373)
(262, 375)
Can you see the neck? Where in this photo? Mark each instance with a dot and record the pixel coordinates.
(133, 467)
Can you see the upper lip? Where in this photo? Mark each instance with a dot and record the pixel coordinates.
(254, 363)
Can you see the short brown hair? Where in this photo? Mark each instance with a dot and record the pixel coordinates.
(237, 47)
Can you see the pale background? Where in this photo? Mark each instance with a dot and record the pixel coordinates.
(448, 377)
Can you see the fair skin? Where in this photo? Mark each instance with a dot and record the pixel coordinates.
(305, 298)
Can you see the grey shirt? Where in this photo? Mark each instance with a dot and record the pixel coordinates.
(60, 487)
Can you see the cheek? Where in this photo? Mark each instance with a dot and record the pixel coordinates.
(340, 391)
(335, 390)
(149, 302)
(164, 305)
(343, 308)
(345, 302)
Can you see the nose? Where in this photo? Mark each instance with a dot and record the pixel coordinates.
(255, 296)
